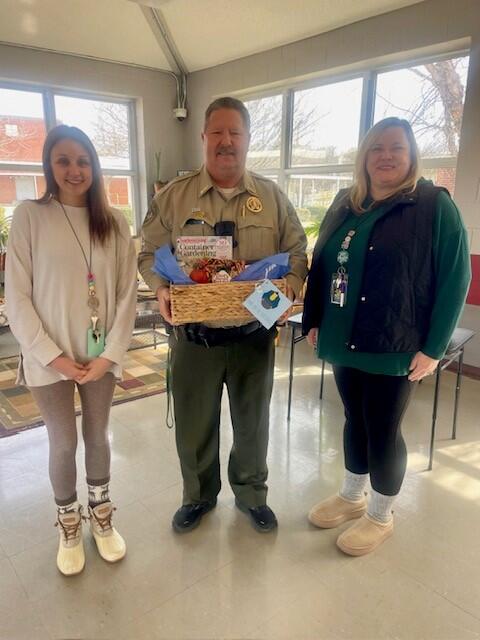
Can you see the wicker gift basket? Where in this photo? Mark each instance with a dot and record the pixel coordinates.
(213, 302)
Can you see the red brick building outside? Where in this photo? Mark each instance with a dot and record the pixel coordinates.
(21, 142)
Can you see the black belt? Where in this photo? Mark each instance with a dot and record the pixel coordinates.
(210, 337)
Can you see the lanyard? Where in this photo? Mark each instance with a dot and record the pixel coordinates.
(339, 282)
(343, 255)
(93, 301)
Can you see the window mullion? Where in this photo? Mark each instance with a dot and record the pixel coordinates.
(286, 139)
(49, 108)
(111, 171)
(368, 103)
(439, 162)
(133, 152)
(287, 127)
(320, 169)
(11, 167)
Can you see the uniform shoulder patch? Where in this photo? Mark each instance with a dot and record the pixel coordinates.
(178, 179)
(150, 216)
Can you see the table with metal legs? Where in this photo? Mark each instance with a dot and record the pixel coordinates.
(295, 323)
(149, 329)
(455, 351)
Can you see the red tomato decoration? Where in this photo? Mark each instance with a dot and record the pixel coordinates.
(200, 276)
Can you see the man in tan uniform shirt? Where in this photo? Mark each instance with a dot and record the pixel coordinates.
(204, 358)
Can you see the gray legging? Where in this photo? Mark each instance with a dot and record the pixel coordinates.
(56, 405)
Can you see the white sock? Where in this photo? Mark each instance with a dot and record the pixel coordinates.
(98, 494)
(380, 506)
(353, 485)
(73, 506)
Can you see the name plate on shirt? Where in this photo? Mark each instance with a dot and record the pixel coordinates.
(267, 303)
(219, 247)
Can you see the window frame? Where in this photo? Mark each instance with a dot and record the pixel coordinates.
(48, 94)
(369, 77)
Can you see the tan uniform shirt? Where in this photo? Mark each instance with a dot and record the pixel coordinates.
(273, 230)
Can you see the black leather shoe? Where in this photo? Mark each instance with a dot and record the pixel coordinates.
(189, 515)
(262, 518)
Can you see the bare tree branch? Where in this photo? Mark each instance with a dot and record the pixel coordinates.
(437, 116)
(111, 130)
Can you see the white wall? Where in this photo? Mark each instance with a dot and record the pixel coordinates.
(429, 27)
(154, 92)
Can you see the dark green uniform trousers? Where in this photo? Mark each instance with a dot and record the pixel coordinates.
(198, 375)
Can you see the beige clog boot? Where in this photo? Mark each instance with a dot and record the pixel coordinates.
(364, 536)
(334, 511)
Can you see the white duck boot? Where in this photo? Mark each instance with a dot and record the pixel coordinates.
(71, 556)
(110, 544)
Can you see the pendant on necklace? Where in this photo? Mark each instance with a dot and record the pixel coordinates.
(93, 302)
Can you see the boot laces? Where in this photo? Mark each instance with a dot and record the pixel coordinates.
(104, 522)
(70, 530)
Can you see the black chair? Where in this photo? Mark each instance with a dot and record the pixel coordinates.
(455, 351)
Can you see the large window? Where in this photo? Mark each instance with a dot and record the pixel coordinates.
(430, 97)
(107, 125)
(22, 134)
(266, 133)
(23, 127)
(307, 137)
(311, 194)
(326, 124)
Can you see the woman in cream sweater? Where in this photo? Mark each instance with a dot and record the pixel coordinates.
(71, 295)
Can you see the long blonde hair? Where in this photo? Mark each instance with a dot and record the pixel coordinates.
(361, 186)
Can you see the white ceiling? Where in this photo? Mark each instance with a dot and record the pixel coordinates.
(108, 29)
(204, 32)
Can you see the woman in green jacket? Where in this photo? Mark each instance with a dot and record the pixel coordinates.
(388, 282)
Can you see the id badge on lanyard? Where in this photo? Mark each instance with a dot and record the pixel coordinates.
(95, 339)
(339, 287)
(95, 333)
(339, 282)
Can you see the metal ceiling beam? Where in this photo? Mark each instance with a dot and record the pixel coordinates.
(164, 38)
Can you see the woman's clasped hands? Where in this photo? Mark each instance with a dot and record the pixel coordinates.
(82, 373)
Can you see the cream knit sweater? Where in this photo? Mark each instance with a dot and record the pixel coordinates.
(46, 288)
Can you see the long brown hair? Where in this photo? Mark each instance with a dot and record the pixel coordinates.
(101, 220)
(361, 186)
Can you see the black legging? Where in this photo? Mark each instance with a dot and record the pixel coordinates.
(372, 439)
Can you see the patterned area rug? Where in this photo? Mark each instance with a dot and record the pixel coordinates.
(144, 375)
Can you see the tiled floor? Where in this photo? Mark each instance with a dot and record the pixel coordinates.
(224, 580)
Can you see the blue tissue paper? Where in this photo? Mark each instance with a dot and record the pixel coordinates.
(166, 266)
